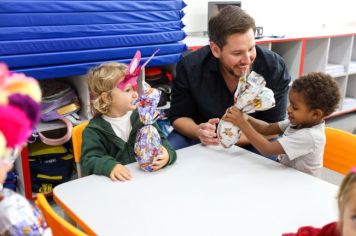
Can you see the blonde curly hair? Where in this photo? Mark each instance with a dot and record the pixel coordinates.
(347, 193)
(103, 79)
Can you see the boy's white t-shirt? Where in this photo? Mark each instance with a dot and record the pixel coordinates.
(121, 125)
(304, 148)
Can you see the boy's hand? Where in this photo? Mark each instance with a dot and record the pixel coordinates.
(235, 116)
(121, 173)
(161, 160)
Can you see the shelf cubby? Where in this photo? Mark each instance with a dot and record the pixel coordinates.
(342, 81)
(291, 51)
(351, 86)
(81, 88)
(316, 55)
(339, 55)
(52, 128)
(352, 67)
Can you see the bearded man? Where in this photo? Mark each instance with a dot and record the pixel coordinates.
(206, 80)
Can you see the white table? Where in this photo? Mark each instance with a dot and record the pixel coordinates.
(208, 191)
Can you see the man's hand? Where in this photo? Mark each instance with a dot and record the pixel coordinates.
(207, 132)
(121, 173)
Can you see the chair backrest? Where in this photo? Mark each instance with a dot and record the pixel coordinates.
(58, 225)
(340, 150)
(77, 144)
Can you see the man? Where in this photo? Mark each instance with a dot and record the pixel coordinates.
(207, 79)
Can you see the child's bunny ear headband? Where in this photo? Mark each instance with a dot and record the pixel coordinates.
(134, 70)
(353, 170)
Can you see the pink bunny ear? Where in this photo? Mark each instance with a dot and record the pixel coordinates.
(135, 62)
(132, 72)
(149, 59)
(141, 76)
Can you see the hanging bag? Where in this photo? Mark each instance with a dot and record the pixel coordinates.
(59, 102)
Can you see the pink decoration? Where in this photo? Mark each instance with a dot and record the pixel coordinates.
(28, 105)
(14, 125)
(20, 108)
(133, 70)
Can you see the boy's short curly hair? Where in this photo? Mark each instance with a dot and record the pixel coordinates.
(319, 90)
(102, 79)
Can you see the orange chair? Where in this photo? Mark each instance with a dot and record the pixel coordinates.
(58, 225)
(340, 150)
(77, 144)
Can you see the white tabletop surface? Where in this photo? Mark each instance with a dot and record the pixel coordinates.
(208, 191)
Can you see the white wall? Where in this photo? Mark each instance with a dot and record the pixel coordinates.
(284, 17)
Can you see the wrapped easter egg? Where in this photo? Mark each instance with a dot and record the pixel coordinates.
(18, 217)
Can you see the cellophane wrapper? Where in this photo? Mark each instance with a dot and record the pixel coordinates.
(148, 141)
(251, 96)
(19, 217)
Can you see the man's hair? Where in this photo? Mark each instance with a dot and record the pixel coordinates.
(230, 20)
(319, 91)
(103, 79)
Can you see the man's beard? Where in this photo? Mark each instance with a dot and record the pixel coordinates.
(231, 71)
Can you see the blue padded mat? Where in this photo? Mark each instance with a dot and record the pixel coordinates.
(87, 6)
(59, 38)
(57, 58)
(79, 43)
(80, 18)
(59, 71)
(41, 32)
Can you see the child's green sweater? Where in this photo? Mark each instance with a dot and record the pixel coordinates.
(102, 149)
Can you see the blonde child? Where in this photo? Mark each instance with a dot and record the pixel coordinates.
(346, 226)
(108, 140)
(312, 97)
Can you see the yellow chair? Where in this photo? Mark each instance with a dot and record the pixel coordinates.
(340, 150)
(58, 225)
(77, 144)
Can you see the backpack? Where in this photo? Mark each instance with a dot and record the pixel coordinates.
(49, 166)
(59, 102)
(59, 99)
